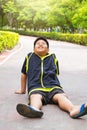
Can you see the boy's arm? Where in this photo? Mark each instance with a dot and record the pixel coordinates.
(23, 84)
(23, 77)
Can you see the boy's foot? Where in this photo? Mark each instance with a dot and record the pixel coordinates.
(28, 111)
(83, 111)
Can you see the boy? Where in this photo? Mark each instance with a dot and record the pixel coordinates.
(40, 70)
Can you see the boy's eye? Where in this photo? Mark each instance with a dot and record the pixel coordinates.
(41, 43)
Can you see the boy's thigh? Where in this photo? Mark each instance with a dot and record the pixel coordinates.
(54, 94)
(60, 97)
(38, 94)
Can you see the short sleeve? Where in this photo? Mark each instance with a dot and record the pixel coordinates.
(23, 70)
(56, 64)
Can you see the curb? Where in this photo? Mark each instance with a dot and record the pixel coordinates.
(4, 56)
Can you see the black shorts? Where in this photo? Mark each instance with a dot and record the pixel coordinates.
(47, 96)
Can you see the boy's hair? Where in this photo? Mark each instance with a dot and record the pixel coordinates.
(41, 38)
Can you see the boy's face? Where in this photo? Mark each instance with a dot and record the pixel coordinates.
(41, 48)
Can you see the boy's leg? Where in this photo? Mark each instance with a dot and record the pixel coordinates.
(36, 101)
(63, 102)
(66, 105)
(32, 110)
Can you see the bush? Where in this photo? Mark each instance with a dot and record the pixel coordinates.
(80, 39)
(8, 40)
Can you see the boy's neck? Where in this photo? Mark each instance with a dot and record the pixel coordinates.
(41, 55)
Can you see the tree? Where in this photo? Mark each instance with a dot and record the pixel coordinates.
(67, 15)
(80, 17)
(10, 10)
(61, 14)
(2, 14)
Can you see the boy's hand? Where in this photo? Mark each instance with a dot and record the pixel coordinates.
(19, 92)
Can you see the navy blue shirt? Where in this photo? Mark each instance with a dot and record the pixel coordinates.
(41, 72)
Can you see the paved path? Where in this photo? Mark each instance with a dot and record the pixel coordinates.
(73, 78)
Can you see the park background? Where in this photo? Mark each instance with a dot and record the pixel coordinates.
(63, 20)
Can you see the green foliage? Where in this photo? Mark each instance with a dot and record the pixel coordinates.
(8, 40)
(80, 17)
(68, 15)
(80, 39)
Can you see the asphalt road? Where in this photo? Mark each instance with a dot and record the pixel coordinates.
(73, 77)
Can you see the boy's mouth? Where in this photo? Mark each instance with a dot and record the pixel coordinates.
(40, 47)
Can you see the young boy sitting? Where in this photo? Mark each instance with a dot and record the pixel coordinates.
(40, 71)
